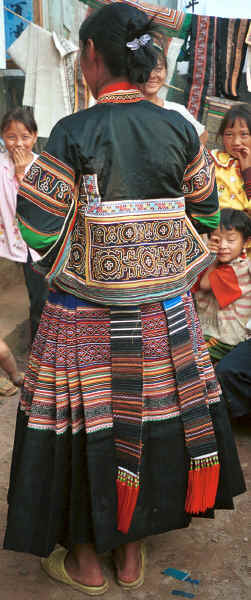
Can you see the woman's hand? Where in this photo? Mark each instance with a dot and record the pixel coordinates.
(213, 245)
(244, 157)
(22, 158)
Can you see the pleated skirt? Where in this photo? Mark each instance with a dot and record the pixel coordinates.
(63, 479)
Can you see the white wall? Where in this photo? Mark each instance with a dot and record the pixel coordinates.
(2, 38)
(235, 9)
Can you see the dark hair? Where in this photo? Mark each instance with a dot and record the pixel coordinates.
(162, 59)
(111, 27)
(24, 115)
(238, 111)
(231, 218)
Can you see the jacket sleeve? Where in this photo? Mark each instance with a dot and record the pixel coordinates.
(246, 174)
(200, 191)
(45, 196)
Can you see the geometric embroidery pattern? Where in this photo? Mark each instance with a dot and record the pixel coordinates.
(49, 184)
(143, 247)
(199, 177)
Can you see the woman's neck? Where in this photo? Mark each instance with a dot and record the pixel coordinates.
(155, 99)
(109, 81)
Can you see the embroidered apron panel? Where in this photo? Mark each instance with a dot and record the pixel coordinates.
(131, 251)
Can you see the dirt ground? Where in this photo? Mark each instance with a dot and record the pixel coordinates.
(216, 552)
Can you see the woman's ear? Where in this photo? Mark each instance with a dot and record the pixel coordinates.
(89, 65)
(88, 57)
(93, 67)
(90, 50)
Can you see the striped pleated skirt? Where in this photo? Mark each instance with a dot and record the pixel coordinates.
(63, 474)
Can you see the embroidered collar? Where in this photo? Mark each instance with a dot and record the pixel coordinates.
(120, 92)
(223, 159)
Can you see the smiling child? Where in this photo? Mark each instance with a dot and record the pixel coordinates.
(223, 299)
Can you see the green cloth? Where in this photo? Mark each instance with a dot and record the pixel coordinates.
(211, 221)
(216, 348)
(36, 240)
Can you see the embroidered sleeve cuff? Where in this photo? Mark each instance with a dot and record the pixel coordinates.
(207, 222)
(34, 239)
(199, 178)
(44, 200)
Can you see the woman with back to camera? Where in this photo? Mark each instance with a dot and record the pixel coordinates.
(119, 378)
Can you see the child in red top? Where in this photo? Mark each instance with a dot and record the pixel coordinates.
(223, 296)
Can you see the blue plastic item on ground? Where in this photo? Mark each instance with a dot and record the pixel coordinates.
(183, 594)
(180, 575)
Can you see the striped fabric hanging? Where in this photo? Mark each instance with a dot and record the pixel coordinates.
(198, 427)
(127, 406)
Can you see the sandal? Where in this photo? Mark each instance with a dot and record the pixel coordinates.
(129, 585)
(54, 567)
(7, 388)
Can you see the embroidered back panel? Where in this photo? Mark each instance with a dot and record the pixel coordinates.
(131, 251)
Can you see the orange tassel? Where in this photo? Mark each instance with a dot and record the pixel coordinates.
(127, 491)
(203, 480)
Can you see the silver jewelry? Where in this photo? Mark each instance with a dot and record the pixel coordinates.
(138, 42)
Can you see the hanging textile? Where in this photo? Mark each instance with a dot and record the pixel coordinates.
(201, 49)
(175, 22)
(45, 60)
(217, 54)
(211, 90)
(172, 56)
(231, 52)
(248, 42)
(82, 94)
(54, 84)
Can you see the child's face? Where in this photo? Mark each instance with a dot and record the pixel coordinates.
(229, 243)
(16, 135)
(236, 138)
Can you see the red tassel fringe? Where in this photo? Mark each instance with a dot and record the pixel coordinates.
(127, 491)
(203, 480)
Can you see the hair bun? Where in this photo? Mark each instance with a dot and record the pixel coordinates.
(115, 26)
(132, 30)
(135, 29)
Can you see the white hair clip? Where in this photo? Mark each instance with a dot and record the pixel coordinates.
(137, 42)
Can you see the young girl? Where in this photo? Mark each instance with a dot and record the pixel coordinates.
(19, 133)
(151, 90)
(233, 165)
(223, 299)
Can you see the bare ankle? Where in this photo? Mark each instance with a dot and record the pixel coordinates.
(82, 564)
